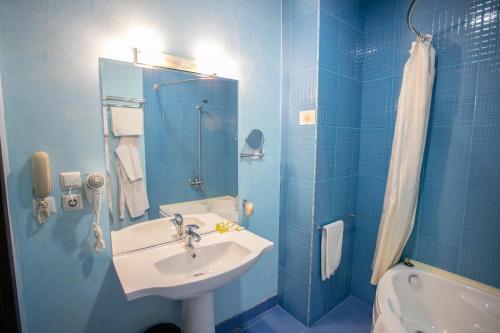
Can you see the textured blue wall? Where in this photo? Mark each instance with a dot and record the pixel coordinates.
(457, 225)
(49, 63)
(299, 82)
(321, 71)
(339, 107)
(171, 137)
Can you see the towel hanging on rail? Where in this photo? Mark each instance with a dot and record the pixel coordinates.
(127, 121)
(331, 248)
(131, 186)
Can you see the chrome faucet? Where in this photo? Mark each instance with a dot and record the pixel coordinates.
(191, 235)
(178, 221)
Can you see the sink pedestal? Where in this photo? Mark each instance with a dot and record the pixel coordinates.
(198, 314)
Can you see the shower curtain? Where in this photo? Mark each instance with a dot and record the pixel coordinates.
(408, 146)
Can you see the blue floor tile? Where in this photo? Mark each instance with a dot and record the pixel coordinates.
(350, 316)
(275, 320)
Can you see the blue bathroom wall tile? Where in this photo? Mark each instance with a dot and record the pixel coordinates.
(376, 13)
(350, 46)
(488, 93)
(300, 7)
(300, 198)
(410, 249)
(343, 152)
(303, 89)
(296, 299)
(371, 191)
(348, 11)
(286, 50)
(437, 253)
(360, 283)
(339, 286)
(341, 199)
(327, 97)
(346, 102)
(319, 300)
(355, 143)
(447, 157)
(365, 239)
(375, 151)
(481, 266)
(485, 158)
(353, 194)
(379, 52)
(442, 212)
(481, 225)
(324, 200)
(454, 96)
(325, 152)
(377, 105)
(329, 42)
(304, 48)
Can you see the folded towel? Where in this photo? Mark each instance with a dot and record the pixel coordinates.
(128, 154)
(388, 323)
(127, 121)
(331, 248)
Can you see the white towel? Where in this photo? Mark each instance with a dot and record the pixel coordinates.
(331, 248)
(128, 153)
(127, 121)
(388, 323)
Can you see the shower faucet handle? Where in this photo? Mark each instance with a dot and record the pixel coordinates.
(178, 220)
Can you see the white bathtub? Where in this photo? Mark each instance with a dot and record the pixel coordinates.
(427, 299)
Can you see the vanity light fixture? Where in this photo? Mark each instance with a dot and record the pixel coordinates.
(155, 59)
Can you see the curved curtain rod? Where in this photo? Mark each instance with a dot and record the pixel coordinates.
(410, 25)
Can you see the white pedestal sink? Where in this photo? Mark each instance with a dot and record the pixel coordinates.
(178, 273)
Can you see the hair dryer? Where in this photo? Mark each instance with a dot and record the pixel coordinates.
(94, 186)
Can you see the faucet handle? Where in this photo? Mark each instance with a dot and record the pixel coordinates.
(178, 220)
(191, 227)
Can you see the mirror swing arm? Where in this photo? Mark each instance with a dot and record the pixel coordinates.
(254, 144)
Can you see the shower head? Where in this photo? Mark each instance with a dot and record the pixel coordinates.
(199, 107)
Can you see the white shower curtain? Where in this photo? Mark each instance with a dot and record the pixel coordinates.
(408, 146)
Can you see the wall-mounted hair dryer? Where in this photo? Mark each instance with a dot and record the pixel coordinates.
(94, 188)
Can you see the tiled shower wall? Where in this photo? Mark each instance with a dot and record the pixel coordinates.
(457, 225)
(337, 147)
(299, 92)
(322, 72)
(171, 137)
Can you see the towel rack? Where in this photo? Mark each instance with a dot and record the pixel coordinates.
(139, 101)
(320, 228)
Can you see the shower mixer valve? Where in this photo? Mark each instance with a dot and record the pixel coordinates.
(196, 183)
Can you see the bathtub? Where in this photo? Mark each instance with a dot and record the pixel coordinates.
(426, 299)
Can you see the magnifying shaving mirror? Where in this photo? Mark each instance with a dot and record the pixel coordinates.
(254, 143)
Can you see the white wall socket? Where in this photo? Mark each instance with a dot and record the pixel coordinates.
(72, 202)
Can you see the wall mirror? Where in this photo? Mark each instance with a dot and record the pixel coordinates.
(171, 147)
(254, 145)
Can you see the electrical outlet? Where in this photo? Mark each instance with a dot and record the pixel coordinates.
(72, 202)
